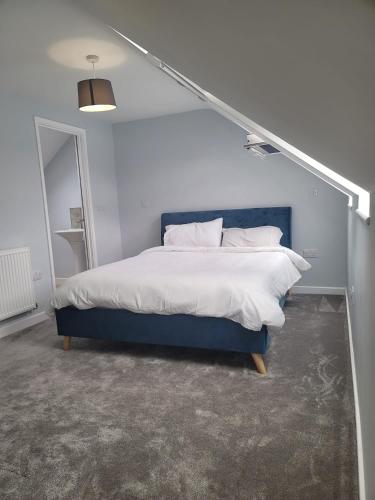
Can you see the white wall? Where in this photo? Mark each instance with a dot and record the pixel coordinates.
(63, 192)
(196, 160)
(21, 207)
(361, 271)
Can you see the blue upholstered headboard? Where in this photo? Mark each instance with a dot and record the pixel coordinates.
(242, 217)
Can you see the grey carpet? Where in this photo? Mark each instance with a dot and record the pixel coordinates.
(118, 421)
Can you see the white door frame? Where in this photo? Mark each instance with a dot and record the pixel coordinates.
(83, 166)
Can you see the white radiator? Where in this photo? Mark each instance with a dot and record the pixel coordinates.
(17, 293)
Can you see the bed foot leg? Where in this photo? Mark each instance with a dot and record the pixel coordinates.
(67, 343)
(259, 363)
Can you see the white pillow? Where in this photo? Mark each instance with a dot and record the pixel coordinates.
(195, 234)
(263, 236)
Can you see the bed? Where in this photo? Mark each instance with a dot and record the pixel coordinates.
(215, 333)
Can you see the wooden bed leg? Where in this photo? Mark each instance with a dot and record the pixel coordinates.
(67, 342)
(259, 363)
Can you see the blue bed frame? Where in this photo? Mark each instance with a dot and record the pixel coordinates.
(180, 329)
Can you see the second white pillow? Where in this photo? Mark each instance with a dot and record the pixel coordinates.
(263, 236)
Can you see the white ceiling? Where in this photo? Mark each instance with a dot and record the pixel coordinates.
(51, 141)
(49, 40)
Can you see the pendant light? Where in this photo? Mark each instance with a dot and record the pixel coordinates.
(95, 94)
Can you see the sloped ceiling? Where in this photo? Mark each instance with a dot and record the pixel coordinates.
(304, 70)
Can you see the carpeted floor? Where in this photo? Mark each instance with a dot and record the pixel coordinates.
(118, 421)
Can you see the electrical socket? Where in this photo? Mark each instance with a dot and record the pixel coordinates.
(310, 253)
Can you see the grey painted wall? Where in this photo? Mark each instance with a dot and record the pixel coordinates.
(361, 276)
(196, 160)
(22, 220)
(63, 192)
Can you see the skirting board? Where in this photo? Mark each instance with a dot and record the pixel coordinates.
(361, 469)
(22, 323)
(319, 290)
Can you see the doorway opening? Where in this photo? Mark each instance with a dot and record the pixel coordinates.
(67, 199)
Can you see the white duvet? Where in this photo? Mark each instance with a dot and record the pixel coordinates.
(241, 284)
